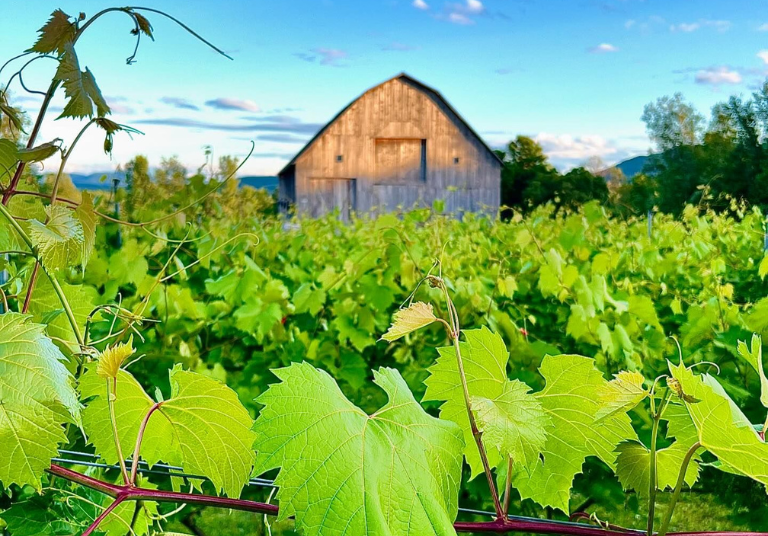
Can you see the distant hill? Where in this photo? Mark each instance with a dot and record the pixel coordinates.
(630, 167)
(93, 181)
(260, 181)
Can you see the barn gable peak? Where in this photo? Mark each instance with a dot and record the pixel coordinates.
(411, 80)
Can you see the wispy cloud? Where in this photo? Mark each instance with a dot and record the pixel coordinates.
(420, 4)
(463, 13)
(716, 76)
(603, 48)
(763, 27)
(325, 56)
(459, 18)
(763, 55)
(296, 128)
(179, 102)
(282, 138)
(228, 103)
(688, 27)
(118, 106)
(398, 47)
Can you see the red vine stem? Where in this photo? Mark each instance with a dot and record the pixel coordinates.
(501, 526)
(119, 500)
(139, 438)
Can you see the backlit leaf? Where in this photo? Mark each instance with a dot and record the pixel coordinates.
(753, 354)
(59, 240)
(397, 471)
(622, 393)
(37, 398)
(405, 321)
(55, 34)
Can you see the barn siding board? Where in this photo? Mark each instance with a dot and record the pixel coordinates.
(379, 137)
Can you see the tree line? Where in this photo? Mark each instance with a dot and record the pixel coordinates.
(693, 161)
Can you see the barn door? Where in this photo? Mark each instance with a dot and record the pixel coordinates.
(401, 160)
(331, 194)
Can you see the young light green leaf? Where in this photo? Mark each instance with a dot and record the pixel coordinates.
(46, 308)
(501, 405)
(59, 241)
(753, 355)
(55, 34)
(414, 317)
(212, 428)
(37, 398)
(569, 398)
(397, 471)
(622, 393)
(722, 428)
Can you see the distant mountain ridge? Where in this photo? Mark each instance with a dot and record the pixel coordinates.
(630, 167)
(103, 180)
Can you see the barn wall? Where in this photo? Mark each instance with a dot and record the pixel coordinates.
(399, 110)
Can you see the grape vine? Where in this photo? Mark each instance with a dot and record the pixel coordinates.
(66, 380)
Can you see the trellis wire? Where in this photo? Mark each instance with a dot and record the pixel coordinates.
(178, 472)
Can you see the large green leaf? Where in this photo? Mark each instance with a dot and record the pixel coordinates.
(131, 405)
(569, 398)
(397, 471)
(212, 428)
(37, 398)
(622, 393)
(203, 426)
(512, 420)
(8, 157)
(722, 428)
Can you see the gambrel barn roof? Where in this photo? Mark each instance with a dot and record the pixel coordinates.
(434, 94)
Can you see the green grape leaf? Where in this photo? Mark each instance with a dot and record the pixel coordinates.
(87, 217)
(634, 471)
(722, 428)
(762, 270)
(212, 428)
(308, 300)
(131, 406)
(80, 87)
(46, 308)
(397, 471)
(412, 318)
(633, 461)
(8, 158)
(144, 26)
(34, 518)
(511, 417)
(514, 422)
(622, 393)
(753, 355)
(14, 115)
(642, 307)
(38, 398)
(40, 152)
(55, 34)
(58, 241)
(569, 398)
(202, 426)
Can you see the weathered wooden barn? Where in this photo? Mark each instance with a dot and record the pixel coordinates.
(400, 144)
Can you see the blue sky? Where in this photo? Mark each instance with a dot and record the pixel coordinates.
(574, 74)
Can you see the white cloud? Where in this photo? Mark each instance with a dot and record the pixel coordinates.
(227, 103)
(602, 48)
(763, 55)
(763, 27)
(688, 27)
(475, 6)
(628, 24)
(718, 75)
(459, 18)
(420, 4)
